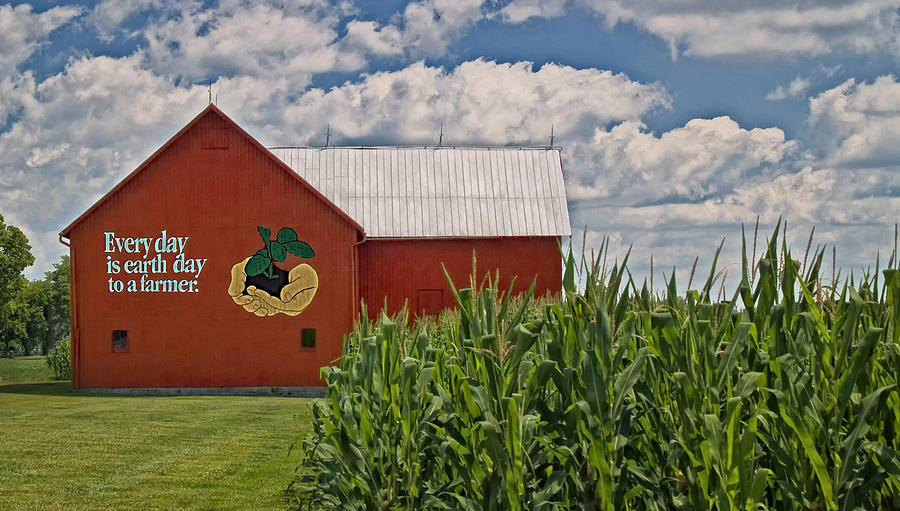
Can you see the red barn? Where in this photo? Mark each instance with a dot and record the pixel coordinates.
(220, 263)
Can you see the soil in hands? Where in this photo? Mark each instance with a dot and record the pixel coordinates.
(271, 286)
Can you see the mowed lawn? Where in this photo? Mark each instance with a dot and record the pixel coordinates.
(64, 450)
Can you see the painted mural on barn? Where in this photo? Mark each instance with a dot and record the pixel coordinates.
(264, 289)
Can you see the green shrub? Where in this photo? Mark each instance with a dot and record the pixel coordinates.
(9, 349)
(60, 359)
(783, 397)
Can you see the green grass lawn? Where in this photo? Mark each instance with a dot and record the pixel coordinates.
(64, 450)
(32, 369)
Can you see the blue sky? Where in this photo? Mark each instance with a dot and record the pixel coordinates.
(678, 120)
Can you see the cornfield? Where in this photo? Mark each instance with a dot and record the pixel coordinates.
(612, 397)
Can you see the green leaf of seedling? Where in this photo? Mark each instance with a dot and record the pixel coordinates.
(287, 234)
(278, 251)
(300, 249)
(256, 265)
(265, 233)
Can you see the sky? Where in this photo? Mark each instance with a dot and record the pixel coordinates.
(678, 121)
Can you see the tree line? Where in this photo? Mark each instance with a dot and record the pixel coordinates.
(34, 314)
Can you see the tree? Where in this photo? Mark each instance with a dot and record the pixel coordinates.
(12, 324)
(15, 256)
(58, 302)
(35, 305)
(24, 327)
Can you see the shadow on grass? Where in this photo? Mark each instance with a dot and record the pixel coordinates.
(57, 388)
(54, 388)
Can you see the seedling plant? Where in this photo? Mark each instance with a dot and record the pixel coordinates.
(276, 250)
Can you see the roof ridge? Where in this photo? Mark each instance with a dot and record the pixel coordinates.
(421, 146)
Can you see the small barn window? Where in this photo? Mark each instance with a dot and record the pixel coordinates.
(308, 338)
(120, 341)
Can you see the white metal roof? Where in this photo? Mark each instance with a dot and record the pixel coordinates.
(440, 191)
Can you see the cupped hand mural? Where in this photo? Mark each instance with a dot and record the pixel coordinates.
(264, 289)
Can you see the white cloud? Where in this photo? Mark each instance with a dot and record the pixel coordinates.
(15, 92)
(795, 89)
(41, 156)
(250, 38)
(705, 157)
(809, 196)
(851, 211)
(424, 29)
(297, 40)
(519, 11)
(824, 196)
(23, 32)
(857, 124)
(108, 15)
(829, 71)
(255, 103)
(477, 102)
(430, 26)
(848, 189)
(716, 28)
(676, 195)
(367, 36)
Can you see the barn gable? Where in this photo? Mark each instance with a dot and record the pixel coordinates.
(212, 137)
(438, 192)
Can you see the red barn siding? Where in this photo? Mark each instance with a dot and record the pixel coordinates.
(213, 184)
(396, 269)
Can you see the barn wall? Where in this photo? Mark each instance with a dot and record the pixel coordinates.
(409, 271)
(215, 187)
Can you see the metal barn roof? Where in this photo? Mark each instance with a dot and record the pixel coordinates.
(440, 191)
